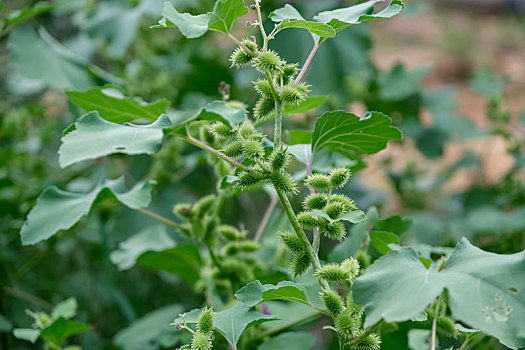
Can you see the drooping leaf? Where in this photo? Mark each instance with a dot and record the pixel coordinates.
(154, 238)
(190, 26)
(346, 131)
(233, 321)
(353, 216)
(112, 105)
(342, 18)
(182, 260)
(91, 137)
(225, 13)
(381, 239)
(486, 290)
(290, 341)
(18, 16)
(57, 210)
(145, 333)
(289, 17)
(255, 292)
(61, 329)
(213, 111)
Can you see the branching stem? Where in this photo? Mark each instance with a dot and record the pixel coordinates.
(159, 218)
(307, 62)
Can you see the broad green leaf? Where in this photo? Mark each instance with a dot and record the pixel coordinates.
(255, 292)
(154, 238)
(289, 17)
(346, 131)
(61, 329)
(182, 260)
(5, 325)
(213, 111)
(57, 210)
(487, 83)
(486, 290)
(342, 18)
(381, 239)
(225, 13)
(233, 321)
(145, 333)
(53, 66)
(399, 84)
(18, 16)
(190, 26)
(29, 334)
(113, 106)
(91, 137)
(65, 309)
(289, 315)
(353, 216)
(298, 136)
(306, 105)
(290, 341)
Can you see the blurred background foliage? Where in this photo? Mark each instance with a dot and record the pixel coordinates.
(453, 86)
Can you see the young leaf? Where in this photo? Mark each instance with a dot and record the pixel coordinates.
(225, 13)
(93, 137)
(255, 292)
(381, 239)
(346, 131)
(61, 329)
(182, 260)
(486, 290)
(113, 106)
(59, 210)
(289, 17)
(190, 26)
(66, 309)
(342, 18)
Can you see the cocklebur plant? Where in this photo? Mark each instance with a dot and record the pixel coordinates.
(356, 295)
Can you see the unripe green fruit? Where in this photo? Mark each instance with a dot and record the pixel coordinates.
(332, 301)
(282, 181)
(292, 242)
(205, 321)
(335, 230)
(240, 57)
(268, 62)
(351, 266)
(231, 233)
(315, 201)
(318, 182)
(245, 129)
(221, 131)
(201, 341)
(446, 325)
(306, 220)
(334, 210)
(347, 203)
(347, 324)
(203, 205)
(332, 273)
(263, 88)
(293, 93)
(253, 149)
(363, 258)
(290, 70)
(247, 181)
(301, 263)
(370, 342)
(279, 159)
(182, 210)
(339, 177)
(233, 149)
(264, 108)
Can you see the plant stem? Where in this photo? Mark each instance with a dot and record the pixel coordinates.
(238, 42)
(20, 294)
(278, 125)
(300, 233)
(259, 21)
(307, 62)
(219, 154)
(265, 219)
(159, 218)
(365, 334)
(434, 326)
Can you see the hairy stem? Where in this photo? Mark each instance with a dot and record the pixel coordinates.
(434, 326)
(365, 334)
(238, 42)
(265, 219)
(300, 233)
(259, 21)
(278, 125)
(307, 63)
(159, 218)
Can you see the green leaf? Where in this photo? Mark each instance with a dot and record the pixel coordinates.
(91, 137)
(305, 105)
(18, 16)
(29, 334)
(346, 131)
(213, 111)
(225, 13)
(299, 136)
(381, 239)
(59, 210)
(486, 290)
(342, 18)
(190, 26)
(233, 321)
(182, 260)
(65, 309)
(153, 238)
(113, 106)
(353, 216)
(290, 341)
(146, 332)
(289, 17)
(399, 84)
(61, 329)
(55, 65)
(5, 325)
(255, 292)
